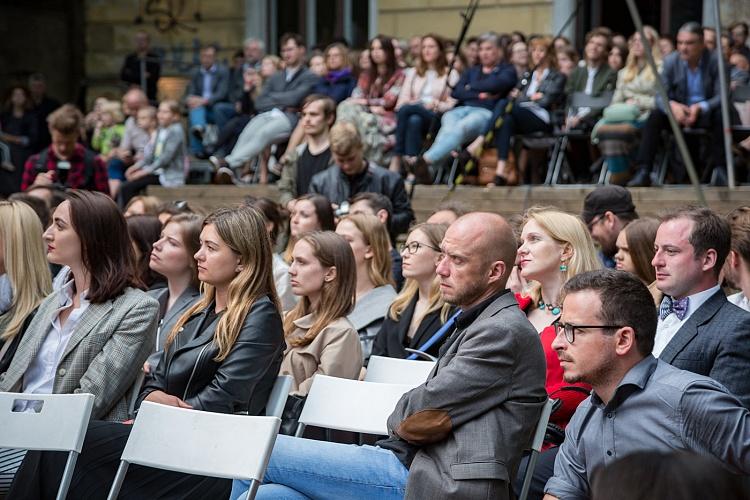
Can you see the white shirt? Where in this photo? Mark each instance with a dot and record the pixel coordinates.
(590, 80)
(40, 375)
(740, 300)
(669, 326)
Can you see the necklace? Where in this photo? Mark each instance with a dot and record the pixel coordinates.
(555, 310)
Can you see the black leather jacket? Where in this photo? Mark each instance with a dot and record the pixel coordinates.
(239, 383)
(337, 187)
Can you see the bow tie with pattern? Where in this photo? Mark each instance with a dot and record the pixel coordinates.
(670, 305)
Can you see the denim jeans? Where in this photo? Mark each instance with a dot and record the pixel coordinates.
(306, 469)
(459, 125)
(199, 117)
(412, 125)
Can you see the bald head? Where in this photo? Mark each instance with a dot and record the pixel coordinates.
(133, 100)
(479, 250)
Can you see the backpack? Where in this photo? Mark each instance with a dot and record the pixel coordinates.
(89, 164)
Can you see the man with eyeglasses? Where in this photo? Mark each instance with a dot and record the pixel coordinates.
(638, 403)
(606, 211)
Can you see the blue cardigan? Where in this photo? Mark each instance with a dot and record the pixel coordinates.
(498, 82)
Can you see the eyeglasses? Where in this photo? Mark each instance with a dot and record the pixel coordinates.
(594, 221)
(414, 247)
(570, 330)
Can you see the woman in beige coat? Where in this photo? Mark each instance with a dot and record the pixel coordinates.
(319, 337)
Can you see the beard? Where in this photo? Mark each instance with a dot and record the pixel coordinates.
(468, 294)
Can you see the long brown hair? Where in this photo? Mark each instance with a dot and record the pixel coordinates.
(441, 64)
(336, 297)
(242, 229)
(640, 235)
(106, 251)
(376, 236)
(190, 230)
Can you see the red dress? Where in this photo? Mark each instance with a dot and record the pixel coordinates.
(556, 387)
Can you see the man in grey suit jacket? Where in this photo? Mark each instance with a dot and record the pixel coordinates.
(207, 91)
(699, 330)
(460, 434)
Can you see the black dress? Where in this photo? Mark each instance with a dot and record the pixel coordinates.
(242, 382)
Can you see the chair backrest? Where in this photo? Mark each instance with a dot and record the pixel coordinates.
(583, 100)
(537, 440)
(60, 424)
(351, 405)
(277, 398)
(398, 371)
(201, 442)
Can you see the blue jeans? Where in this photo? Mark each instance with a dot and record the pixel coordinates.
(412, 125)
(459, 125)
(219, 114)
(307, 469)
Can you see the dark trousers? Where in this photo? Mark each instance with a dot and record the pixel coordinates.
(651, 139)
(412, 125)
(544, 470)
(519, 121)
(128, 189)
(40, 473)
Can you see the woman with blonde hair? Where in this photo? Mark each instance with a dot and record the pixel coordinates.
(222, 355)
(555, 246)
(319, 337)
(636, 83)
(419, 311)
(24, 275)
(370, 244)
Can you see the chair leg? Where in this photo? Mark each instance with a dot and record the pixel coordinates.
(300, 430)
(452, 174)
(119, 478)
(70, 466)
(560, 160)
(552, 162)
(528, 475)
(603, 171)
(252, 490)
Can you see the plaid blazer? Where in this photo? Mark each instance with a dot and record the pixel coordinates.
(104, 355)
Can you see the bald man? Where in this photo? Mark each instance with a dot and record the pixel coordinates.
(134, 140)
(460, 434)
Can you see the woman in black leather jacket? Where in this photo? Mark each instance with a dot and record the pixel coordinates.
(223, 355)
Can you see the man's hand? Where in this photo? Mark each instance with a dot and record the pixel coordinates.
(124, 154)
(134, 172)
(680, 112)
(694, 112)
(163, 398)
(45, 179)
(195, 101)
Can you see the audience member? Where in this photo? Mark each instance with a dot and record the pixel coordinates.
(617, 56)
(43, 106)
(24, 276)
(518, 56)
(314, 154)
(50, 194)
(371, 106)
(419, 311)
(594, 78)
(278, 105)
(709, 38)
(19, 130)
(134, 139)
(317, 64)
(739, 31)
(554, 247)
(471, 51)
(666, 45)
(66, 162)
(310, 212)
(338, 81)
(737, 266)
(166, 163)
(254, 50)
(142, 205)
(607, 343)
(208, 87)
(38, 205)
(606, 210)
(691, 80)
(447, 213)
(320, 340)
(353, 174)
(635, 249)
(144, 231)
(108, 130)
(172, 258)
(271, 212)
(93, 335)
(424, 97)
(488, 382)
(142, 68)
(381, 207)
(375, 287)
(567, 60)
(698, 329)
(477, 92)
(168, 209)
(222, 355)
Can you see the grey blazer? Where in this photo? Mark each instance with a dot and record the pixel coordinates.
(103, 356)
(715, 342)
(674, 78)
(167, 319)
(478, 409)
(170, 164)
(219, 85)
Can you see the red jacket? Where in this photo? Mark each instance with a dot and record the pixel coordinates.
(77, 177)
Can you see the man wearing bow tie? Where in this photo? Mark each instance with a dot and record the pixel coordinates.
(698, 329)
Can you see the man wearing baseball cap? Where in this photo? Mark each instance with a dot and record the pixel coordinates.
(606, 211)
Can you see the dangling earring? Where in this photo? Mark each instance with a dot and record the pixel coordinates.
(563, 267)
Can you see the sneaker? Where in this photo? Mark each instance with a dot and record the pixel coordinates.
(217, 162)
(197, 132)
(640, 179)
(225, 175)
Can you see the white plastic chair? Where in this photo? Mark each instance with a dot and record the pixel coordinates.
(199, 442)
(350, 405)
(277, 398)
(398, 371)
(60, 425)
(536, 447)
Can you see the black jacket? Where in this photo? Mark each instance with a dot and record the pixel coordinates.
(242, 382)
(338, 187)
(392, 339)
(552, 89)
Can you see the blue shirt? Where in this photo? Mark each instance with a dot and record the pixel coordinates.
(695, 87)
(208, 78)
(656, 407)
